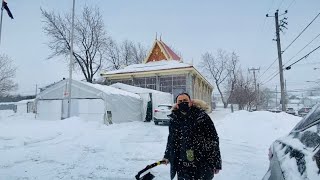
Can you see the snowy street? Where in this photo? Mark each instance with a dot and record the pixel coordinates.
(77, 149)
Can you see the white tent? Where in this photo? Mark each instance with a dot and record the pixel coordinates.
(90, 101)
(157, 97)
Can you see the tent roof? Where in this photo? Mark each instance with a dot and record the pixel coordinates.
(93, 88)
(110, 90)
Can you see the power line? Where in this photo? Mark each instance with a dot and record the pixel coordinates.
(293, 42)
(280, 4)
(289, 67)
(291, 4)
(268, 68)
(290, 58)
(270, 78)
(301, 32)
(302, 49)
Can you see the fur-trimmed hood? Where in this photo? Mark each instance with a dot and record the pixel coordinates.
(200, 104)
(197, 103)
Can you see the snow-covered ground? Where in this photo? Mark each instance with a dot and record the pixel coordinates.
(78, 149)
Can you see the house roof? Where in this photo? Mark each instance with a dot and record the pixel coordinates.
(151, 66)
(313, 97)
(134, 89)
(166, 52)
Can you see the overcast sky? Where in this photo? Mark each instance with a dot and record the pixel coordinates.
(191, 27)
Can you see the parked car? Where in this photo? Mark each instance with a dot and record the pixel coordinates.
(274, 110)
(304, 111)
(291, 111)
(161, 114)
(297, 155)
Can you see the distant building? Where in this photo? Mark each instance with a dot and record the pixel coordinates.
(163, 70)
(311, 100)
(25, 106)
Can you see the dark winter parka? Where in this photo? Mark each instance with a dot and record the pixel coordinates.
(193, 143)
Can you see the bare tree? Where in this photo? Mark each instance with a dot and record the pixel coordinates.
(125, 54)
(243, 94)
(90, 39)
(234, 71)
(139, 53)
(113, 56)
(265, 98)
(7, 73)
(218, 68)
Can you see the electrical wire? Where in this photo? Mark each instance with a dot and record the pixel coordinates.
(303, 57)
(301, 33)
(302, 49)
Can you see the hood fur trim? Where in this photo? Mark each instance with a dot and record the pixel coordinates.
(200, 104)
(197, 103)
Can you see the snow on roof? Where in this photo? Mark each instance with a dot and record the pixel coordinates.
(7, 103)
(314, 97)
(135, 89)
(151, 66)
(24, 101)
(110, 90)
(294, 101)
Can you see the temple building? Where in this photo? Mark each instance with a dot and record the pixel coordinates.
(165, 71)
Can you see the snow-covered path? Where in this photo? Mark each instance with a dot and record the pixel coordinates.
(76, 149)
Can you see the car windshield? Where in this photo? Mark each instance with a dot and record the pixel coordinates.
(312, 117)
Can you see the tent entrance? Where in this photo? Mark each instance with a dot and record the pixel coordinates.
(149, 115)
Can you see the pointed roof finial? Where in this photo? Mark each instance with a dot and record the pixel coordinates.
(160, 36)
(156, 36)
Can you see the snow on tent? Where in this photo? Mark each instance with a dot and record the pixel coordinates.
(156, 97)
(88, 101)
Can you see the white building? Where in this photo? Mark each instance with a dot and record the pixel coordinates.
(90, 101)
(25, 106)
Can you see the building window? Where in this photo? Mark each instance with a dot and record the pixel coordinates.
(173, 84)
(124, 81)
(145, 82)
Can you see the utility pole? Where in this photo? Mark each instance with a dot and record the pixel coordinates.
(36, 89)
(278, 29)
(71, 61)
(255, 83)
(258, 94)
(1, 21)
(276, 96)
(286, 93)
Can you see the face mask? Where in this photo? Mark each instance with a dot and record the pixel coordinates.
(184, 106)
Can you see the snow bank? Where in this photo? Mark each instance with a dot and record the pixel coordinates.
(75, 148)
(6, 113)
(254, 127)
(245, 138)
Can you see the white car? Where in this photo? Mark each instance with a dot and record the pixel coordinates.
(161, 114)
(297, 155)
